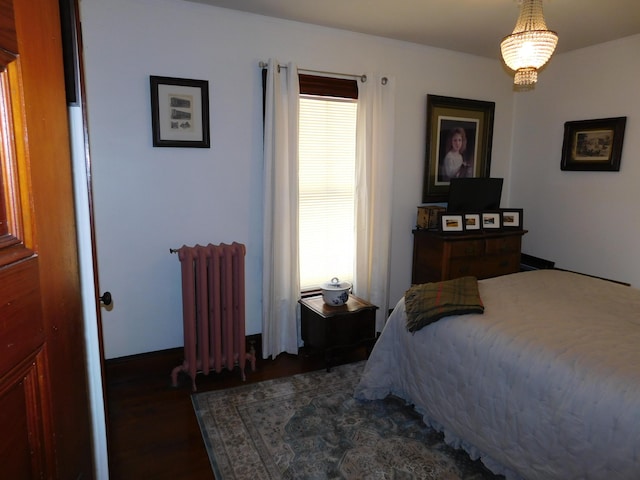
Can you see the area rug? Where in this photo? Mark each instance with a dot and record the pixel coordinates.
(309, 426)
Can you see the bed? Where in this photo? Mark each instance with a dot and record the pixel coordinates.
(545, 384)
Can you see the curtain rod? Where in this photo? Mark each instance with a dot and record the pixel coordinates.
(362, 77)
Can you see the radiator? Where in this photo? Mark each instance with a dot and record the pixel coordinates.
(213, 306)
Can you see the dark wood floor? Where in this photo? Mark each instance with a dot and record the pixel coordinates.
(153, 432)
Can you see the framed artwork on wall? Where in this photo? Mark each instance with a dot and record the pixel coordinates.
(458, 143)
(179, 112)
(593, 145)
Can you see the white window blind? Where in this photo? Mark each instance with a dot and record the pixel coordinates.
(327, 150)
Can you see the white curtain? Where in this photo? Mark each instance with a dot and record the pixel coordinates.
(280, 277)
(374, 173)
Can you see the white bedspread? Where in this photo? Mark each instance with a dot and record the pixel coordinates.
(544, 385)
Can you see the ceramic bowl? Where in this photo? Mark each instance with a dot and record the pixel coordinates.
(335, 292)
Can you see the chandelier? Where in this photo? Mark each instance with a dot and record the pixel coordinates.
(530, 45)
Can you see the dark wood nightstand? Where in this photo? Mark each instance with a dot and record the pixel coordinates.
(328, 329)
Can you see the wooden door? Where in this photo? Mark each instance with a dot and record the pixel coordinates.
(44, 408)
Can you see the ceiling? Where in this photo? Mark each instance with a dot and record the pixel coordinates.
(469, 26)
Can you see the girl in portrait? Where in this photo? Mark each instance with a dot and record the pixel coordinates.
(454, 162)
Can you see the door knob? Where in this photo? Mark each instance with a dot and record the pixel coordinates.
(106, 298)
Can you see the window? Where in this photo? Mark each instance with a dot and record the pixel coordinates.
(327, 151)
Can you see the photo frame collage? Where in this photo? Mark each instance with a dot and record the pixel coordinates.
(475, 222)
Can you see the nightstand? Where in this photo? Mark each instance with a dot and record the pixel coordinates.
(328, 329)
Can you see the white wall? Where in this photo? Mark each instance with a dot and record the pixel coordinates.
(148, 200)
(584, 221)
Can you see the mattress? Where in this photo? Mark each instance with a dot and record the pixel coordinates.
(544, 385)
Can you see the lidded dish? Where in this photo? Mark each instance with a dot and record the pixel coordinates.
(335, 292)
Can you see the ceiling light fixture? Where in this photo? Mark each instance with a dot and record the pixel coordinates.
(530, 45)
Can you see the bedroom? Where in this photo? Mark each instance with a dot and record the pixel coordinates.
(583, 221)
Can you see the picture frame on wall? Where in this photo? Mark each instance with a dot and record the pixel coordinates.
(593, 145)
(491, 220)
(458, 143)
(179, 112)
(472, 222)
(512, 218)
(449, 222)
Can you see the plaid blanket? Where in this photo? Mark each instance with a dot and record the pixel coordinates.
(425, 303)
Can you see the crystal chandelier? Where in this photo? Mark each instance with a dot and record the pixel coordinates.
(530, 45)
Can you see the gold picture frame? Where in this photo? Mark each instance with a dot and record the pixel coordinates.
(446, 118)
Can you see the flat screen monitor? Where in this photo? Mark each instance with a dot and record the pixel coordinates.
(474, 194)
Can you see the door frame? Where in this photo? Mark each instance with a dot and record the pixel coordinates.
(81, 160)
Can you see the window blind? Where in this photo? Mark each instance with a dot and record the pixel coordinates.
(327, 150)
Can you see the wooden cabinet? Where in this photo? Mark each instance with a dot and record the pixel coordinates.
(441, 256)
(328, 329)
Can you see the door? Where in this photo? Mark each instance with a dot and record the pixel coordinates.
(44, 409)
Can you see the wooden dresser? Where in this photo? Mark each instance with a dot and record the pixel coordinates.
(443, 256)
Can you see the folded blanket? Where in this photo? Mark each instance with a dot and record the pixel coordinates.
(427, 302)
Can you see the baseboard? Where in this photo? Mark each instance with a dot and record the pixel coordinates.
(529, 262)
(177, 352)
(169, 352)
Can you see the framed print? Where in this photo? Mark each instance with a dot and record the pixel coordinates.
(451, 222)
(512, 218)
(491, 220)
(179, 112)
(472, 222)
(458, 143)
(593, 145)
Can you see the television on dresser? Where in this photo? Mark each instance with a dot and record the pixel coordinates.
(474, 194)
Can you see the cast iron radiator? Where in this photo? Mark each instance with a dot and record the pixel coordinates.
(213, 306)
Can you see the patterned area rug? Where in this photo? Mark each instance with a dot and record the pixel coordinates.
(309, 426)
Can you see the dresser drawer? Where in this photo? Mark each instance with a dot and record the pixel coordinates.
(467, 248)
(466, 266)
(503, 245)
(496, 265)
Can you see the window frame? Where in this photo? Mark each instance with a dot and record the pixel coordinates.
(326, 87)
(323, 86)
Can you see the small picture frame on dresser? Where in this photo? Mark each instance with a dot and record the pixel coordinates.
(451, 222)
(512, 218)
(491, 220)
(472, 222)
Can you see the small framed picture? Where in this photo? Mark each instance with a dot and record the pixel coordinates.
(491, 220)
(472, 222)
(512, 218)
(179, 112)
(450, 222)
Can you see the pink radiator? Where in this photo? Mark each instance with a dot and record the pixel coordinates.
(213, 310)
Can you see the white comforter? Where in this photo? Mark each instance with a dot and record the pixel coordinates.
(544, 385)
